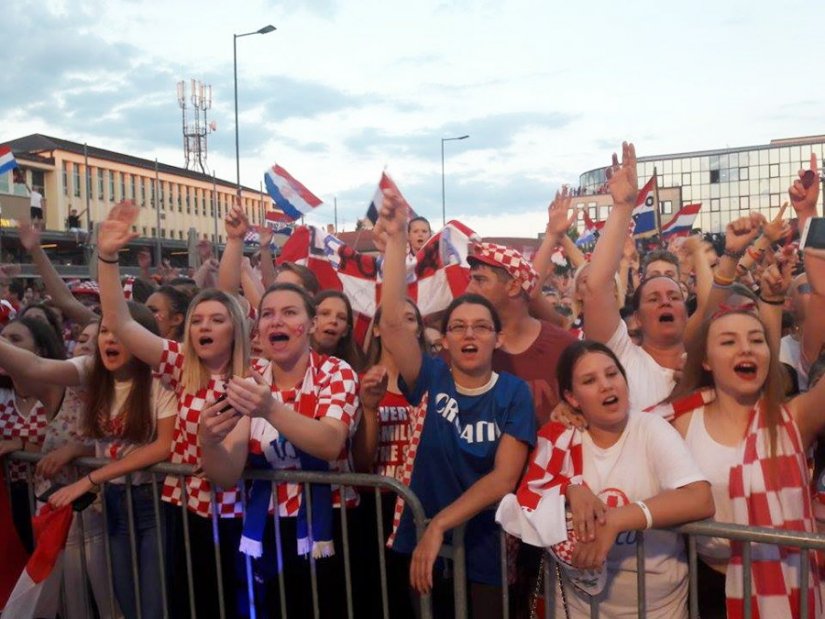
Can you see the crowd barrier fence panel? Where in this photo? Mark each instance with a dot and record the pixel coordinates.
(307, 478)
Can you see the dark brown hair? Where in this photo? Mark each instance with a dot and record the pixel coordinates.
(374, 351)
(346, 348)
(100, 392)
(570, 357)
(308, 278)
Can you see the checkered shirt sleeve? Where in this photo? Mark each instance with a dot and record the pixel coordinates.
(31, 429)
(338, 391)
(171, 363)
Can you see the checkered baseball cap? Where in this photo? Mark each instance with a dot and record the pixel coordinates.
(505, 258)
(86, 287)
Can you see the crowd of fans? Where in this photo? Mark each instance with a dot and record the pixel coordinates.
(572, 407)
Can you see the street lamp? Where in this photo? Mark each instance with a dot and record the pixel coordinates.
(235, 37)
(443, 195)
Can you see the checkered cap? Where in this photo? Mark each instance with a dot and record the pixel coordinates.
(86, 287)
(508, 259)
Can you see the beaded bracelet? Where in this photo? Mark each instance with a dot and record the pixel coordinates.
(736, 255)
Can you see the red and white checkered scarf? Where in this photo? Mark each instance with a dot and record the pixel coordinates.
(769, 492)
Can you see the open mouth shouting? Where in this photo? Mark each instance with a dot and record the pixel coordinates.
(745, 370)
(111, 353)
(469, 349)
(278, 339)
(205, 340)
(667, 317)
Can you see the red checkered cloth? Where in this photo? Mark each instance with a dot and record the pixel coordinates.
(86, 287)
(329, 389)
(128, 287)
(13, 425)
(766, 491)
(537, 512)
(506, 258)
(417, 415)
(7, 312)
(185, 448)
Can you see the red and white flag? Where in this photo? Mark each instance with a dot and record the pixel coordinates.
(438, 274)
(51, 529)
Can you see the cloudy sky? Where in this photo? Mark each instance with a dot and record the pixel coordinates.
(545, 89)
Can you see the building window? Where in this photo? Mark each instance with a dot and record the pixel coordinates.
(76, 179)
(144, 230)
(122, 186)
(686, 178)
(774, 170)
(197, 203)
(133, 193)
(154, 231)
(667, 207)
(160, 186)
(101, 184)
(714, 204)
(143, 192)
(65, 179)
(714, 176)
(180, 234)
(111, 186)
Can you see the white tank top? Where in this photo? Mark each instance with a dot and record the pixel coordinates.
(715, 461)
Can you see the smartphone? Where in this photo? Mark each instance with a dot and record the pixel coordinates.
(223, 409)
(808, 178)
(79, 504)
(813, 235)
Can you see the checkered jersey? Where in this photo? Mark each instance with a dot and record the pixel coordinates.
(185, 448)
(329, 389)
(31, 429)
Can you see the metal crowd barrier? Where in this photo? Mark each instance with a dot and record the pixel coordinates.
(160, 471)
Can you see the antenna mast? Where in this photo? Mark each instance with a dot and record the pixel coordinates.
(196, 130)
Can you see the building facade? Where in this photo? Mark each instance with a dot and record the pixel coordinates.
(728, 182)
(175, 203)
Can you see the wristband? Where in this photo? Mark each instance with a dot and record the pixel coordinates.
(646, 511)
(777, 301)
(736, 255)
(105, 261)
(722, 281)
(755, 254)
(92, 481)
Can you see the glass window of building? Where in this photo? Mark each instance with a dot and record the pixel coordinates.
(4, 182)
(101, 183)
(65, 179)
(111, 186)
(714, 205)
(122, 186)
(76, 179)
(142, 191)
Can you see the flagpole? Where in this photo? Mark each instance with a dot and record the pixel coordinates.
(335, 203)
(158, 248)
(657, 207)
(215, 211)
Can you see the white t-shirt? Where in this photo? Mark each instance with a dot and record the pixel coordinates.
(790, 352)
(164, 405)
(648, 382)
(36, 199)
(649, 458)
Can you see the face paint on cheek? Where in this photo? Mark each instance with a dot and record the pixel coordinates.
(300, 329)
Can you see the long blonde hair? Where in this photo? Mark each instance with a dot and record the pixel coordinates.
(194, 374)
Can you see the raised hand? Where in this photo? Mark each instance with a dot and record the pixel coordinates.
(204, 250)
(264, 236)
(373, 387)
(778, 228)
(775, 281)
(116, 230)
(236, 223)
(559, 218)
(393, 215)
(804, 191)
(740, 233)
(622, 181)
(29, 236)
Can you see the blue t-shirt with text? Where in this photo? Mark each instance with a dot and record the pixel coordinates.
(458, 447)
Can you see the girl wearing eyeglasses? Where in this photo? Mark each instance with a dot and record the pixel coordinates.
(478, 428)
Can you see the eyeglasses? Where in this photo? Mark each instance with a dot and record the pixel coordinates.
(460, 329)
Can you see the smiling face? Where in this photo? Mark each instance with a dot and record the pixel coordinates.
(211, 332)
(599, 390)
(471, 339)
(113, 354)
(662, 314)
(738, 355)
(85, 344)
(284, 327)
(331, 324)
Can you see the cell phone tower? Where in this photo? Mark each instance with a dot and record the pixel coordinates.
(196, 130)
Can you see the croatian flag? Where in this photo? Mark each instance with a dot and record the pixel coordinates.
(51, 529)
(644, 214)
(591, 232)
(289, 195)
(378, 199)
(280, 224)
(682, 222)
(7, 161)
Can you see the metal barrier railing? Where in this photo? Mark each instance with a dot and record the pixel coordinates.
(804, 542)
(306, 478)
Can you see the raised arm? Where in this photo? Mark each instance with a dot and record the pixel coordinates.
(114, 234)
(365, 440)
(268, 273)
(804, 193)
(399, 340)
(252, 288)
(599, 299)
(37, 371)
(55, 286)
(229, 271)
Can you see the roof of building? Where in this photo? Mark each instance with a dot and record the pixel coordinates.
(37, 146)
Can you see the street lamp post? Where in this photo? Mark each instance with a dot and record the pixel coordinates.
(443, 192)
(235, 37)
